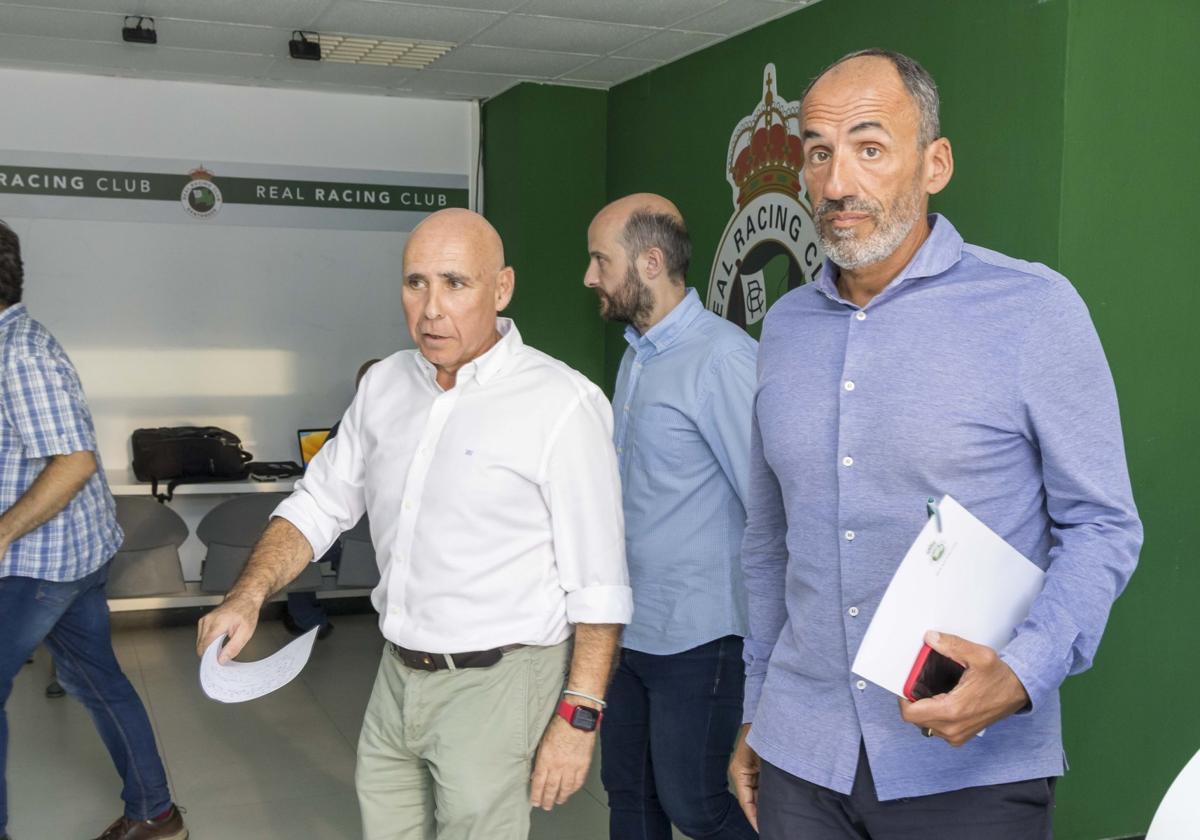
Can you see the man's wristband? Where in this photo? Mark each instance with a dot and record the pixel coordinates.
(596, 700)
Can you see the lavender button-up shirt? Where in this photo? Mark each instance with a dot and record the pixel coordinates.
(972, 374)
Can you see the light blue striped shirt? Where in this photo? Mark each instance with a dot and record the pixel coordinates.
(972, 374)
(682, 406)
(43, 413)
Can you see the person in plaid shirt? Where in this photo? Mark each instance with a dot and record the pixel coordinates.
(58, 531)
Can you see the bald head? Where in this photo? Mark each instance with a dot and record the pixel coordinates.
(643, 221)
(455, 282)
(460, 230)
(877, 69)
(650, 203)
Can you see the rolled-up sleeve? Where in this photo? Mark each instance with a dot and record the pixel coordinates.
(582, 490)
(330, 498)
(44, 401)
(1072, 415)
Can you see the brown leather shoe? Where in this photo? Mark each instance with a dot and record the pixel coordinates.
(170, 827)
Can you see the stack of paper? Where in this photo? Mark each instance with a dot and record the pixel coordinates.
(963, 579)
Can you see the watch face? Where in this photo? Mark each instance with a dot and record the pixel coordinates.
(584, 718)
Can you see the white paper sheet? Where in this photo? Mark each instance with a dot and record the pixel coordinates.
(965, 580)
(238, 682)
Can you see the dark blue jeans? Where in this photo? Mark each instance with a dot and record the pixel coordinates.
(665, 742)
(72, 619)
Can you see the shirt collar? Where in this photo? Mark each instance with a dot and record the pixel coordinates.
(486, 367)
(941, 251)
(664, 333)
(11, 314)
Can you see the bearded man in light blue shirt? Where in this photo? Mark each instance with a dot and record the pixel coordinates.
(916, 366)
(682, 432)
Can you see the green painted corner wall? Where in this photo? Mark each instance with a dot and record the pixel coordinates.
(1074, 132)
(999, 64)
(544, 179)
(1130, 198)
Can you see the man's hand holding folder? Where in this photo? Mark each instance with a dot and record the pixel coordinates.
(988, 691)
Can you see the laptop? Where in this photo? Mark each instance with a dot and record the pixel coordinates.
(311, 441)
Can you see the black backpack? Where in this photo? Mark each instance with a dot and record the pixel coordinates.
(182, 454)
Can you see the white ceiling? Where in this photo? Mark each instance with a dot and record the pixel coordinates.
(498, 43)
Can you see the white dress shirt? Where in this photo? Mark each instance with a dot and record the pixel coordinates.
(495, 506)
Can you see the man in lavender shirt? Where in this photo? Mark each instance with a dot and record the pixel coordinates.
(915, 366)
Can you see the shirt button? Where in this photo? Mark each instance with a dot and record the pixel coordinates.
(847, 461)
(627, 407)
(861, 685)
(850, 535)
(860, 315)
(849, 386)
(853, 612)
(394, 610)
(408, 505)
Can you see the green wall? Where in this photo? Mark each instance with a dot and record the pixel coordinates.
(999, 65)
(1074, 125)
(543, 181)
(1130, 198)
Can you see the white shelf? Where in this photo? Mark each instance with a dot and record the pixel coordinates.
(124, 483)
(193, 597)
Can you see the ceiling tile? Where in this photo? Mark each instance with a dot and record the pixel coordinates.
(561, 35)
(513, 62)
(656, 13)
(328, 72)
(285, 14)
(472, 85)
(736, 16)
(669, 45)
(206, 62)
(60, 23)
(611, 70)
(479, 5)
(204, 35)
(17, 50)
(393, 20)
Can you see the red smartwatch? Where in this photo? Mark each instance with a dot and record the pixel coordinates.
(581, 717)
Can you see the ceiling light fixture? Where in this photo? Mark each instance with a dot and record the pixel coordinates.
(305, 46)
(139, 33)
(358, 49)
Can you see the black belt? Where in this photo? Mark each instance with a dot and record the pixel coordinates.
(423, 661)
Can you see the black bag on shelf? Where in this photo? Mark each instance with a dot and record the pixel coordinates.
(186, 454)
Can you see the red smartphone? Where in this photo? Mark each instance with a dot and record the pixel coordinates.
(932, 674)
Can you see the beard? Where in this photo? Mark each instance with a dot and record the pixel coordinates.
(632, 303)
(846, 249)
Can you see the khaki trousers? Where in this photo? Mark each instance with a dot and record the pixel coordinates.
(447, 755)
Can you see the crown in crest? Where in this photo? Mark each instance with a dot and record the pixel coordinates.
(200, 174)
(766, 152)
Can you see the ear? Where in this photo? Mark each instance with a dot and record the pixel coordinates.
(939, 165)
(653, 263)
(506, 283)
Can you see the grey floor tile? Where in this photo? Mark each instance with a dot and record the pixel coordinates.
(581, 818)
(313, 816)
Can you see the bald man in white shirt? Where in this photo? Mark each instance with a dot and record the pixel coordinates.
(490, 480)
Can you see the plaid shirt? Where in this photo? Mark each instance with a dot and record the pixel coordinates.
(43, 413)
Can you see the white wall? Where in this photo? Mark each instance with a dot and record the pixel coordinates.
(257, 329)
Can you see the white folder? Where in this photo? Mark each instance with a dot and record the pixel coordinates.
(963, 579)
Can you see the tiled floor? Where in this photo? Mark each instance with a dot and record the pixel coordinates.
(279, 767)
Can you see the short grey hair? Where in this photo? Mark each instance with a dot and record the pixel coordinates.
(917, 81)
(644, 230)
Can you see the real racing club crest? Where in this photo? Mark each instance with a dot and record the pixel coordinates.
(770, 245)
(201, 197)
